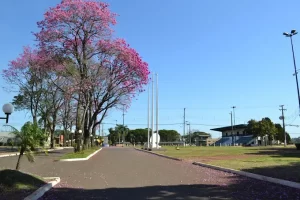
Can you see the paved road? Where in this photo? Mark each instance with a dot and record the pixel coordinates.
(124, 173)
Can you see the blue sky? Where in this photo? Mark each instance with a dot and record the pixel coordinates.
(210, 56)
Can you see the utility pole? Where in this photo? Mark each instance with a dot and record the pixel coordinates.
(233, 138)
(152, 111)
(148, 118)
(231, 128)
(190, 134)
(157, 131)
(283, 125)
(184, 126)
(102, 130)
(290, 35)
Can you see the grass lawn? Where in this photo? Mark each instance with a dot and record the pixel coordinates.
(277, 162)
(81, 154)
(17, 185)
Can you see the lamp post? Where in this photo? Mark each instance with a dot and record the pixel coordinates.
(7, 109)
(290, 35)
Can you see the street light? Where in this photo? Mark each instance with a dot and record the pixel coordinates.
(7, 109)
(290, 35)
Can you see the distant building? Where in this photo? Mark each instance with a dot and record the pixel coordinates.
(5, 135)
(239, 136)
(211, 141)
(202, 140)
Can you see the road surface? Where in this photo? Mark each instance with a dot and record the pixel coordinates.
(125, 173)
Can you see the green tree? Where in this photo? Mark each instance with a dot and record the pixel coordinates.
(137, 135)
(121, 131)
(253, 128)
(279, 134)
(267, 127)
(112, 136)
(28, 138)
(264, 127)
(169, 135)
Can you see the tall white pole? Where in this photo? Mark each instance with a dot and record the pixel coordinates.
(157, 111)
(148, 116)
(152, 112)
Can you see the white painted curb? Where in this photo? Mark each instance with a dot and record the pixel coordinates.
(7, 155)
(42, 190)
(251, 175)
(169, 157)
(81, 159)
(16, 154)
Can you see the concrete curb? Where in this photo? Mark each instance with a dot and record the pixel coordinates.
(8, 155)
(16, 154)
(42, 190)
(251, 175)
(169, 157)
(80, 159)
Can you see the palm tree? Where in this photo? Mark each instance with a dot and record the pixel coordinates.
(122, 131)
(27, 139)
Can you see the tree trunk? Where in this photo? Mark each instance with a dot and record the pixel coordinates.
(65, 137)
(94, 134)
(19, 159)
(86, 143)
(78, 127)
(34, 118)
(51, 139)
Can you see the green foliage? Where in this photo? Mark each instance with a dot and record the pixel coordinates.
(137, 135)
(118, 132)
(28, 139)
(15, 180)
(169, 135)
(266, 127)
(280, 136)
(81, 154)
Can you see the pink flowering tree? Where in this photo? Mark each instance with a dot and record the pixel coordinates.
(104, 72)
(26, 77)
(32, 75)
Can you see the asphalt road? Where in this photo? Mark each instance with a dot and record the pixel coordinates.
(124, 173)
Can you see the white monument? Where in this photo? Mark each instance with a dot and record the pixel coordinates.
(153, 142)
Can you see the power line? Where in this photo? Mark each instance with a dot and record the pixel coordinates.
(210, 108)
(173, 124)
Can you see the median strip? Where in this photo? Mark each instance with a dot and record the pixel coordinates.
(80, 156)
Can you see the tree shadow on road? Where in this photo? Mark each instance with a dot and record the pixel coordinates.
(241, 190)
(289, 172)
(277, 152)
